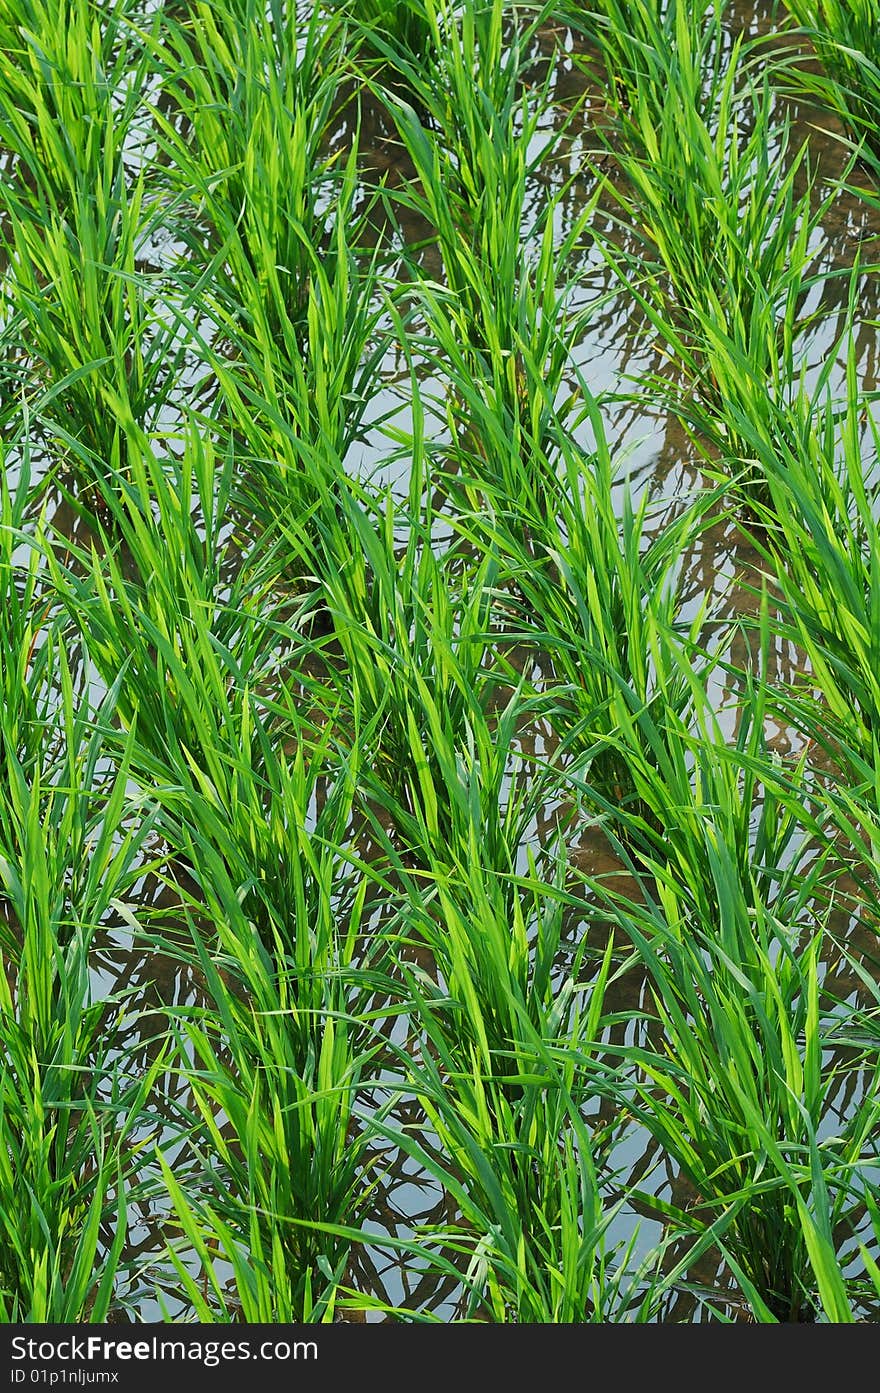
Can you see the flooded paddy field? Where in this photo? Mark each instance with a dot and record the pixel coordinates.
(439, 661)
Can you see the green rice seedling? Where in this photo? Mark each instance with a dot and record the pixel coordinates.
(275, 1072)
(270, 798)
(739, 1091)
(512, 386)
(71, 1124)
(68, 846)
(71, 1116)
(294, 308)
(73, 229)
(211, 675)
(68, 93)
(680, 765)
(821, 546)
(380, 34)
(255, 88)
(496, 940)
(104, 364)
(532, 1221)
(24, 613)
(295, 396)
(590, 592)
(739, 1097)
(635, 40)
(846, 38)
(420, 693)
(432, 708)
(725, 242)
(474, 46)
(162, 619)
(501, 329)
(532, 1227)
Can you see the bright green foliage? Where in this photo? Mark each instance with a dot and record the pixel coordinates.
(846, 37)
(71, 1114)
(248, 159)
(439, 838)
(73, 230)
(724, 239)
(278, 1061)
(67, 91)
(384, 34)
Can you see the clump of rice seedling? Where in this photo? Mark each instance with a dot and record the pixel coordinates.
(71, 1122)
(270, 799)
(276, 1074)
(255, 90)
(73, 228)
(724, 241)
(168, 627)
(635, 38)
(587, 592)
(294, 397)
(68, 91)
(103, 362)
(495, 937)
(71, 1117)
(739, 1097)
(508, 1142)
(63, 854)
(501, 328)
(291, 331)
(846, 37)
(740, 1091)
(24, 611)
(591, 593)
(210, 674)
(821, 545)
(382, 35)
(430, 707)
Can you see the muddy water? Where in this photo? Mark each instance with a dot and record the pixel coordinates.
(655, 454)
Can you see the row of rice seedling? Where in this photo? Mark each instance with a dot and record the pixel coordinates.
(373, 741)
(779, 424)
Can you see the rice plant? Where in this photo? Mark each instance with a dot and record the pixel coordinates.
(726, 242)
(254, 89)
(295, 397)
(74, 228)
(278, 1061)
(381, 35)
(73, 1115)
(738, 1097)
(68, 92)
(23, 615)
(502, 321)
(822, 548)
(532, 1240)
(846, 38)
(741, 1091)
(162, 623)
(103, 359)
(591, 592)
